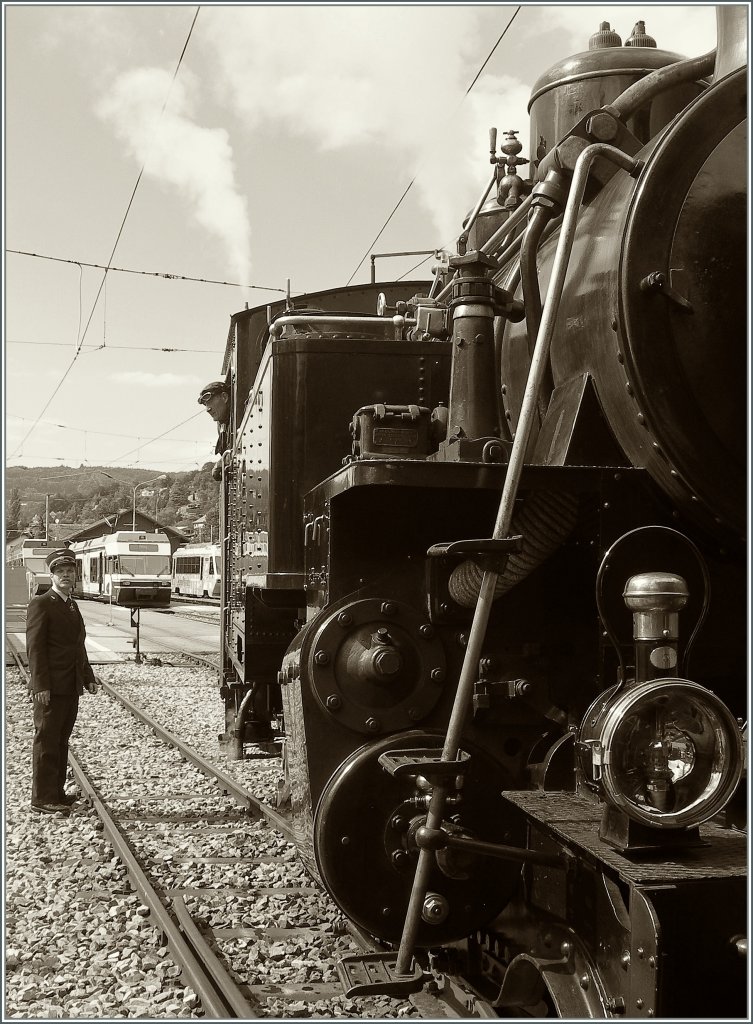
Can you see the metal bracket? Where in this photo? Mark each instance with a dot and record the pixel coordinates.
(656, 281)
(374, 974)
(491, 554)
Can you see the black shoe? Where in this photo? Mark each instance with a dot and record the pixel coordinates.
(69, 799)
(51, 808)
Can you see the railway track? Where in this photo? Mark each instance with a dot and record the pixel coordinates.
(220, 880)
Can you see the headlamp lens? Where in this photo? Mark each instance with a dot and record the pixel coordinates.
(671, 753)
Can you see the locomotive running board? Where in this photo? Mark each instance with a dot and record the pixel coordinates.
(373, 974)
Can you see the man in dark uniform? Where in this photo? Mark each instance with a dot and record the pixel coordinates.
(215, 397)
(60, 671)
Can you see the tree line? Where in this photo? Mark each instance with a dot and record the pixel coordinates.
(79, 498)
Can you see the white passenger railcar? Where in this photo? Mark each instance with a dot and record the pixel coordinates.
(197, 570)
(33, 557)
(129, 567)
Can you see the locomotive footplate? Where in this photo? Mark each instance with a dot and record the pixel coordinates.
(419, 761)
(571, 820)
(370, 974)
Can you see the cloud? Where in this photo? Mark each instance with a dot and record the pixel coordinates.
(155, 380)
(397, 78)
(336, 78)
(198, 161)
(691, 34)
(390, 77)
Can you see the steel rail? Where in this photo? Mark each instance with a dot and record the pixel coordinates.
(16, 655)
(226, 783)
(231, 994)
(220, 996)
(200, 968)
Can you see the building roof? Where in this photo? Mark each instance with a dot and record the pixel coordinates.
(122, 521)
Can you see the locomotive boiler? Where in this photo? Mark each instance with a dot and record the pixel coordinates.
(484, 567)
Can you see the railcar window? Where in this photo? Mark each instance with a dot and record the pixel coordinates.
(36, 564)
(93, 570)
(188, 566)
(150, 565)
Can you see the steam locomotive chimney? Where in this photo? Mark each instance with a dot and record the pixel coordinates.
(731, 39)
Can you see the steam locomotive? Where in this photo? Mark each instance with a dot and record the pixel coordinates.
(485, 571)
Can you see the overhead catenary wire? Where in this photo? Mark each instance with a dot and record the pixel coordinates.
(413, 180)
(82, 336)
(152, 440)
(105, 433)
(146, 273)
(117, 348)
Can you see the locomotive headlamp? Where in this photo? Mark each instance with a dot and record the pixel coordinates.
(662, 752)
(666, 752)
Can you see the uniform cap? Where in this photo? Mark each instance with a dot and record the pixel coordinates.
(217, 387)
(61, 557)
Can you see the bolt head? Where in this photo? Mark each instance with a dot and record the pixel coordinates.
(437, 675)
(372, 724)
(321, 658)
(388, 662)
(426, 631)
(334, 703)
(345, 619)
(388, 608)
(601, 127)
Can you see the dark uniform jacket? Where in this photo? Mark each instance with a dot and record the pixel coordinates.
(55, 636)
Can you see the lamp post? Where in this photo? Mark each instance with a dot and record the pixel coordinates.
(143, 484)
(156, 501)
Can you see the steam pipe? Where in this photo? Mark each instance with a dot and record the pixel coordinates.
(509, 225)
(479, 204)
(501, 233)
(647, 88)
(529, 277)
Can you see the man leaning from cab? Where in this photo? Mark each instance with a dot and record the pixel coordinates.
(215, 398)
(60, 672)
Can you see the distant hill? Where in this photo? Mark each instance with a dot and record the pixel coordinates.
(79, 495)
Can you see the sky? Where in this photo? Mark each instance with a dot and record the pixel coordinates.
(276, 153)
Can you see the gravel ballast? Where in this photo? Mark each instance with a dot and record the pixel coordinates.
(78, 941)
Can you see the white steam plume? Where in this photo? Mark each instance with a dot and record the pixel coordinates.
(390, 77)
(198, 161)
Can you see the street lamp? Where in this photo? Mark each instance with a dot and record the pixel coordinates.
(142, 484)
(156, 500)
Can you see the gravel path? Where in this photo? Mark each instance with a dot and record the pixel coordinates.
(78, 941)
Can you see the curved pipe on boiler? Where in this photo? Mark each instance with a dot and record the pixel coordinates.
(640, 93)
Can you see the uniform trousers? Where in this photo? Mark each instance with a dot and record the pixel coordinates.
(53, 725)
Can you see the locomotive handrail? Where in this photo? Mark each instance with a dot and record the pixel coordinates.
(397, 322)
(502, 525)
